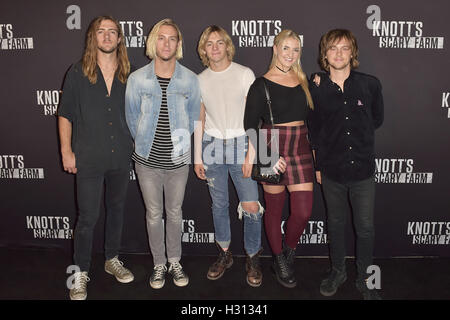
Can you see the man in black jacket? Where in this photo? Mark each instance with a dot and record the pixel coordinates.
(348, 109)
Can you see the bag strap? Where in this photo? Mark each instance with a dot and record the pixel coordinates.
(269, 102)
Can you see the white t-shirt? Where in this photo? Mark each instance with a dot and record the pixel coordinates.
(223, 95)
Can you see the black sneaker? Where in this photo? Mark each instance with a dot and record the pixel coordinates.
(158, 277)
(179, 276)
(368, 294)
(330, 284)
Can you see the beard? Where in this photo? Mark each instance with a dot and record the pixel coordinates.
(107, 51)
(339, 67)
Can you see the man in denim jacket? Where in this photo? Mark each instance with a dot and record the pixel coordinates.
(161, 105)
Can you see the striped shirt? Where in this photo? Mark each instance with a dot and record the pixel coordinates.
(161, 153)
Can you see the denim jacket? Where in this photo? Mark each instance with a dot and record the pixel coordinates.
(143, 101)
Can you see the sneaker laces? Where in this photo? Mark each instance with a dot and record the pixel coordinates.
(80, 281)
(176, 269)
(159, 271)
(117, 266)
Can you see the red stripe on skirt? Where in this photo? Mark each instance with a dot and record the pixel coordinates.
(295, 149)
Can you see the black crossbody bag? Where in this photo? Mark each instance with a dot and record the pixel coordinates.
(262, 172)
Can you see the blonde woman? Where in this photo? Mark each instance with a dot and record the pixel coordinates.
(291, 101)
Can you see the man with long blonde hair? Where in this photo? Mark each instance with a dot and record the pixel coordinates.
(96, 145)
(162, 103)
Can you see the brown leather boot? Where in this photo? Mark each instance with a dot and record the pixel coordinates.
(253, 268)
(223, 262)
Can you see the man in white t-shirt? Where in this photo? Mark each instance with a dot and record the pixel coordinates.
(221, 150)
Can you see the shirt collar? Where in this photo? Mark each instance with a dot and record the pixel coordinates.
(350, 77)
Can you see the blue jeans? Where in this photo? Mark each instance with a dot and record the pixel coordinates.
(220, 158)
(361, 195)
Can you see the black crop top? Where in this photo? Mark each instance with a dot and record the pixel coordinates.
(288, 104)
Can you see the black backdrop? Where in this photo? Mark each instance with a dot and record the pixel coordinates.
(408, 53)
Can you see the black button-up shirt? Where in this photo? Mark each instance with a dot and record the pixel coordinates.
(100, 136)
(342, 126)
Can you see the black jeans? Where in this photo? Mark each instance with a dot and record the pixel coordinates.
(361, 197)
(89, 195)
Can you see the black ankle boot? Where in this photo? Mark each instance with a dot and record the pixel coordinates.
(289, 254)
(283, 271)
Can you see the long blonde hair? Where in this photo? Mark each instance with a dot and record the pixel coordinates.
(153, 35)
(90, 52)
(297, 67)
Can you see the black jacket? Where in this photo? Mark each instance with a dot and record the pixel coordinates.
(342, 126)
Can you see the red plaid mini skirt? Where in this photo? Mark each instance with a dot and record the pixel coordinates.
(295, 149)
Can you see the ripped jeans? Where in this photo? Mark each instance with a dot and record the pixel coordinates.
(221, 157)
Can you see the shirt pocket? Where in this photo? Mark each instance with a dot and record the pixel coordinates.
(360, 108)
(362, 124)
(180, 98)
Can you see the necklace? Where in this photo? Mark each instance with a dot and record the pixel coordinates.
(109, 78)
(108, 73)
(282, 69)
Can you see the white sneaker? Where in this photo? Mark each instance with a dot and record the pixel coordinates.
(115, 267)
(79, 288)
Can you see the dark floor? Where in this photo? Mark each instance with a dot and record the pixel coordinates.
(41, 275)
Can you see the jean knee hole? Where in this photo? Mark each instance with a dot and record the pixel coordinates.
(210, 182)
(254, 216)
